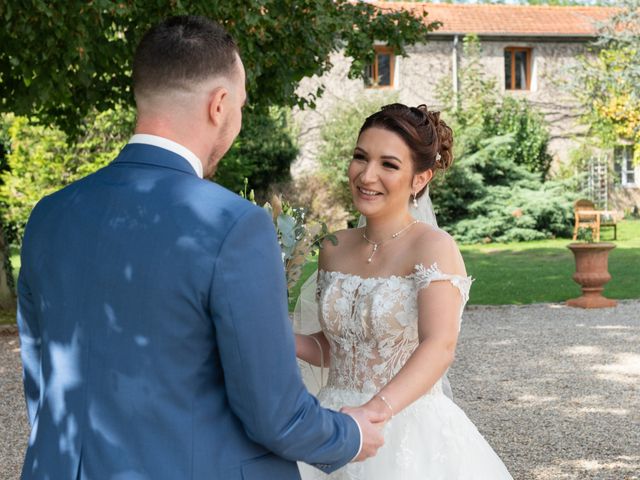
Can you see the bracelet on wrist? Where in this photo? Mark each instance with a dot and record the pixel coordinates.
(386, 402)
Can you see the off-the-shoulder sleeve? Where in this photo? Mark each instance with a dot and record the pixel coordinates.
(425, 275)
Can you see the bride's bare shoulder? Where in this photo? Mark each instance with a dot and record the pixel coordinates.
(434, 245)
(331, 253)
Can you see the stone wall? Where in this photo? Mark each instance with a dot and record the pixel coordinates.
(625, 199)
(418, 75)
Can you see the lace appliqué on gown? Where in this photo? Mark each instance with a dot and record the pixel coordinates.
(371, 326)
(371, 323)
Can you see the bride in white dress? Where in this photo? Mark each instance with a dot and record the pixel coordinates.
(391, 296)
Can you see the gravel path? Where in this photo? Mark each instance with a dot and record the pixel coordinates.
(555, 390)
(13, 410)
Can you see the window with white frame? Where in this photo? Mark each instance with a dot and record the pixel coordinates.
(623, 165)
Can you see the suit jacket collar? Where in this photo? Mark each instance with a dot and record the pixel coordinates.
(172, 146)
(145, 154)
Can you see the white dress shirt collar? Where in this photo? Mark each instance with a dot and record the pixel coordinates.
(172, 146)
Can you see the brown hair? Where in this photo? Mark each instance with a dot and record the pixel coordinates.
(428, 137)
(180, 51)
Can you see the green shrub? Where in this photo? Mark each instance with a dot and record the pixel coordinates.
(468, 180)
(41, 160)
(514, 214)
(487, 197)
(519, 118)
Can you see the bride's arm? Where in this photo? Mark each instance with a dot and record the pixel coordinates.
(438, 325)
(313, 349)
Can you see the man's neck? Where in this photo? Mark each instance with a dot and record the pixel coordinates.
(187, 139)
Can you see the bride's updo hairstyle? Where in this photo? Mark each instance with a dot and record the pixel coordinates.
(429, 138)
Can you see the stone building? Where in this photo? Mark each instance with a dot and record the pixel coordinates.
(527, 49)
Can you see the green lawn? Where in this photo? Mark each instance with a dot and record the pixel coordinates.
(531, 272)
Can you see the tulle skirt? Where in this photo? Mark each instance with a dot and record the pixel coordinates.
(432, 439)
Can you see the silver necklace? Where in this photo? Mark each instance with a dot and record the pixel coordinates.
(378, 244)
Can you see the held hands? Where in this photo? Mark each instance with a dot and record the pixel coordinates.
(371, 417)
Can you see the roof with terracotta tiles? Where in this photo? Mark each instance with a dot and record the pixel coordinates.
(508, 20)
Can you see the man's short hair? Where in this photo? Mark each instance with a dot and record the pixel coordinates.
(181, 52)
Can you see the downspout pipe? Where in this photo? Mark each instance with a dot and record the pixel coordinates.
(454, 72)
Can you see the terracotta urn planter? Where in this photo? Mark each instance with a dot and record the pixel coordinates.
(592, 272)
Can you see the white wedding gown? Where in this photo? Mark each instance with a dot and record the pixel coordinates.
(371, 325)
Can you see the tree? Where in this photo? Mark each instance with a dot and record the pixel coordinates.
(607, 83)
(262, 154)
(60, 59)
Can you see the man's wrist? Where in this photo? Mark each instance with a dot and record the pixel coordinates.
(361, 439)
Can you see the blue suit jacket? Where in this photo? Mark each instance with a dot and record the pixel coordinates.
(155, 338)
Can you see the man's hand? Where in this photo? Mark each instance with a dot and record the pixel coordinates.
(371, 424)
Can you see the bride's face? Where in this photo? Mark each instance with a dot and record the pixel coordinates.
(381, 173)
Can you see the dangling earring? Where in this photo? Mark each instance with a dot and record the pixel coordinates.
(415, 201)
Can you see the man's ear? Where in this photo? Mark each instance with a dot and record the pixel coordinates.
(420, 180)
(217, 105)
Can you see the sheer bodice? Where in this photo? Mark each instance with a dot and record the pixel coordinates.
(372, 323)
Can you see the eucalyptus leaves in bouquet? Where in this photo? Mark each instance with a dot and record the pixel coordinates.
(297, 238)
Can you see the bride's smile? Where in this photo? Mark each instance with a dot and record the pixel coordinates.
(381, 173)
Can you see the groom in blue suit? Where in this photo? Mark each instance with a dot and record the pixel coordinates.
(152, 303)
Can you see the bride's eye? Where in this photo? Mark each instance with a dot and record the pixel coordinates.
(391, 165)
(359, 156)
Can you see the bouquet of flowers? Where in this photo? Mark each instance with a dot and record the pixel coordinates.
(298, 238)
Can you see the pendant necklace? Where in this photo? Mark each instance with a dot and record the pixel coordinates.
(378, 244)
